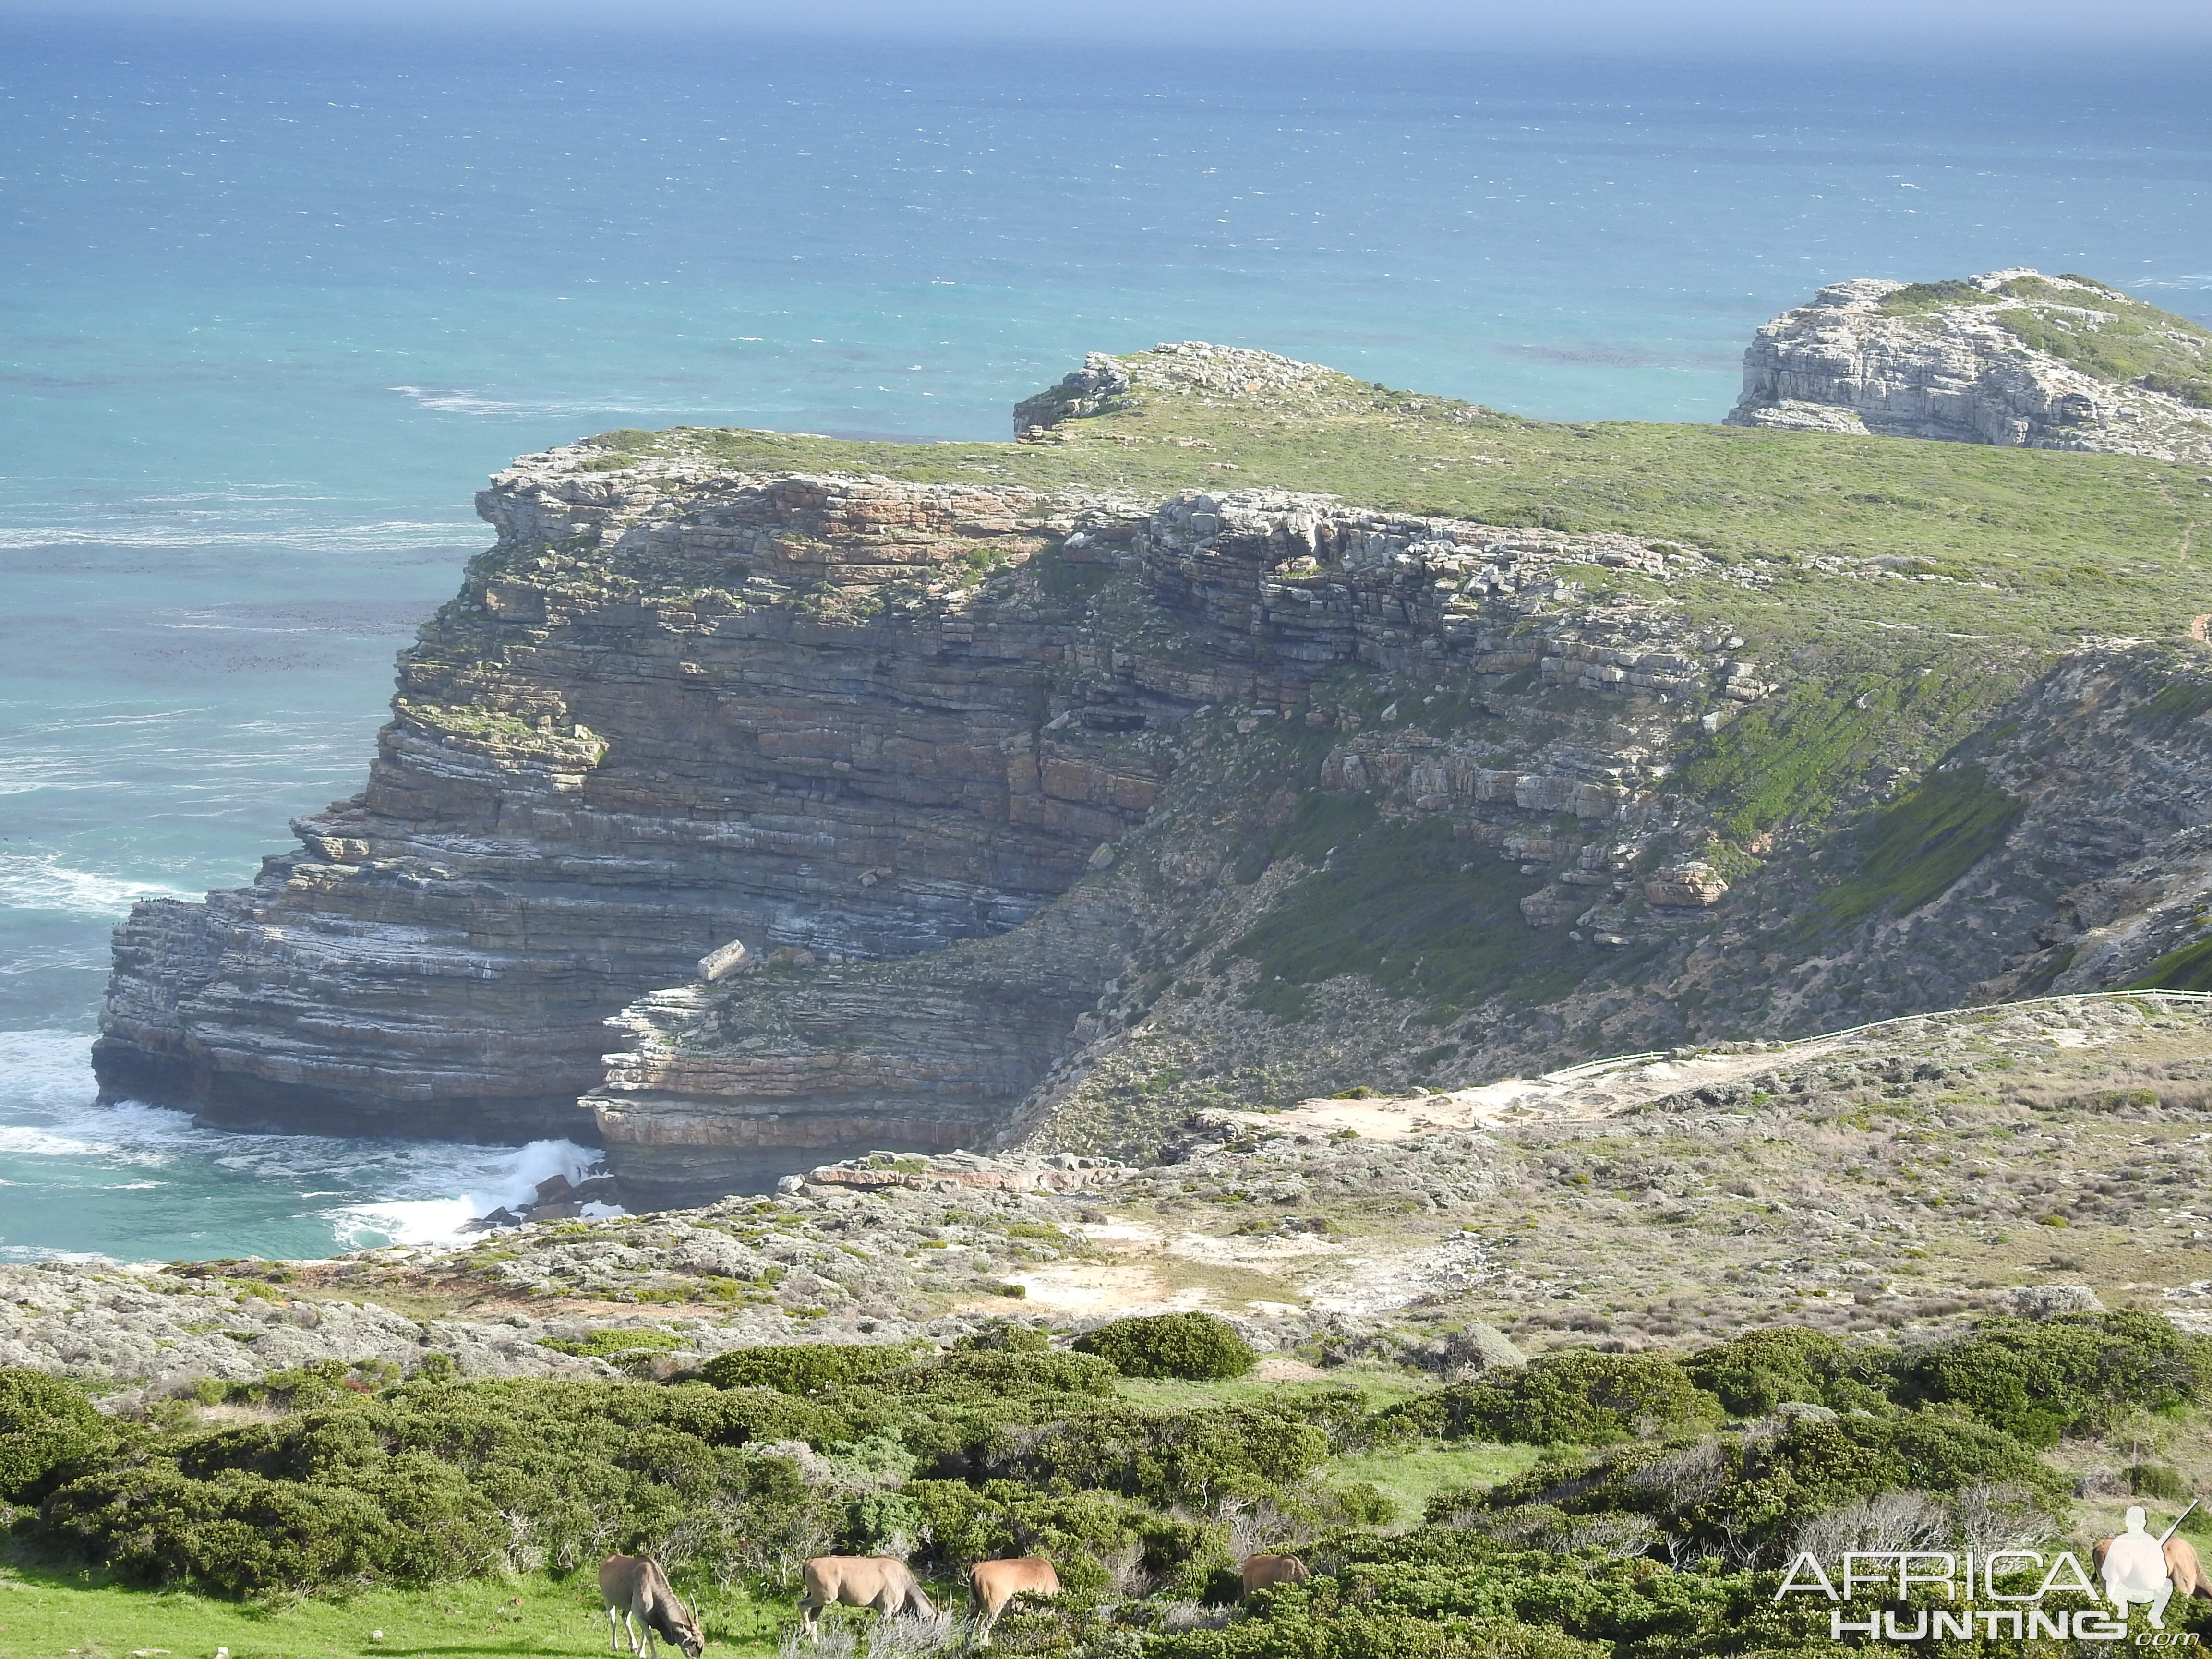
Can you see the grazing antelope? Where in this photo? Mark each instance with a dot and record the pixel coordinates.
(859, 1581)
(1266, 1571)
(992, 1584)
(633, 1586)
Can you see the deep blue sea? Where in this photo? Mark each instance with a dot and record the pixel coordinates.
(272, 304)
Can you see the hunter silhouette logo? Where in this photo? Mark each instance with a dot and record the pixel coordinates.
(2138, 1569)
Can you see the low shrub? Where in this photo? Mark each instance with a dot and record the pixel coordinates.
(1198, 1458)
(1196, 1347)
(431, 1481)
(803, 1367)
(2075, 1373)
(1754, 1373)
(1578, 1398)
(47, 1427)
(999, 1373)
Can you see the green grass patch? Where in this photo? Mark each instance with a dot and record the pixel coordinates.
(1917, 849)
(2189, 969)
(1416, 912)
(1980, 511)
(50, 1615)
(1411, 1477)
(2114, 337)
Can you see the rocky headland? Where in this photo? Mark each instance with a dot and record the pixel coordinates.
(2007, 357)
(1053, 792)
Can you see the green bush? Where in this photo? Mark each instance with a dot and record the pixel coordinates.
(2074, 1373)
(1198, 1458)
(1006, 1335)
(432, 1480)
(990, 1374)
(1197, 1348)
(241, 1533)
(2157, 1480)
(1745, 1496)
(1577, 1398)
(47, 1426)
(803, 1367)
(1754, 1373)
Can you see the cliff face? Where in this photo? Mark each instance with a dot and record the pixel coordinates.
(2011, 357)
(931, 815)
(1196, 661)
(665, 712)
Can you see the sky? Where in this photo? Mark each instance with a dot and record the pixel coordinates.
(1858, 30)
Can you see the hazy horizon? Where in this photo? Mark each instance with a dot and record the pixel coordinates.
(1722, 28)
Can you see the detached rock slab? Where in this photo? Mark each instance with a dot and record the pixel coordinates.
(1063, 1172)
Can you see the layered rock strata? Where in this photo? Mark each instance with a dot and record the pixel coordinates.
(666, 711)
(1226, 611)
(2010, 357)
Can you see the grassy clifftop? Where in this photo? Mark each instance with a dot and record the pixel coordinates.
(2068, 542)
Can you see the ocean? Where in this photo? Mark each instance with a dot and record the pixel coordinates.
(277, 301)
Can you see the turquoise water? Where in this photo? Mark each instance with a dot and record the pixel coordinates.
(272, 306)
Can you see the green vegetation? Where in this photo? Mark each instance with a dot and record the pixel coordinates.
(47, 1427)
(606, 1344)
(1408, 906)
(802, 1368)
(1915, 298)
(1195, 1347)
(1916, 848)
(47, 1614)
(2189, 969)
(1650, 1527)
(2113, 337)
(2058, 533)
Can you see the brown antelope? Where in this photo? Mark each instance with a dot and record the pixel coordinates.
(633, 1586)
(859, 1581)
(992, 1584)
(1266, 1571)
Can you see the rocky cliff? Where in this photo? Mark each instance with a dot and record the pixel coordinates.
(2009, 358)
(667, 711)
(955, 811)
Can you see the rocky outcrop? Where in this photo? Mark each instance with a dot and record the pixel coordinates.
(1231, 609)
(671, 708)
(2011, 357)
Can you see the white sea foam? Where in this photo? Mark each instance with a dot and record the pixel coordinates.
(491, 1183)
(458, 402)
(40, 881)
(320, 1192)
(304, 536)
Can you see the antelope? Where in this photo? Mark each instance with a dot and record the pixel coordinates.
(1266, 1571)
(992, 1584)
(859, 1581)
(633, 1586)
(2182, 1566)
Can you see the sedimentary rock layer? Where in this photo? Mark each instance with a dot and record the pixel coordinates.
(847, 722)
(663, 713)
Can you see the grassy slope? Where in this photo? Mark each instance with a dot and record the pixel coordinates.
(52, 1616)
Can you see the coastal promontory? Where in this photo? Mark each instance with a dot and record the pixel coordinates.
(1243, 732)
